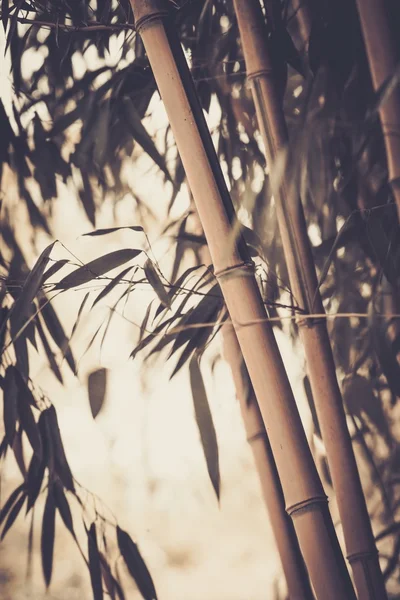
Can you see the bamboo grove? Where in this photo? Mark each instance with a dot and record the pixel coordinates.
(307, 94)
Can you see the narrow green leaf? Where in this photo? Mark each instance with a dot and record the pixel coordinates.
(94, 564)
(136, 565)
(48, 533)
(156, 283)
(97, 267)
(97, 232)
(205, 424)
(10, 404)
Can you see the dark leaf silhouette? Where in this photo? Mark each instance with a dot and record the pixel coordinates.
(60, 460)
(96, 268)
(47, 539)
(12, 499)
(63, 507)
(34, 480)
(94, 564)
(10, 404)
(111, 285)
(13, 514)
(27, 420)
(57, 332)
(30, 289)
(205, 423)
(97, 232)
(156, 283)
(97, 383)
(136, 565)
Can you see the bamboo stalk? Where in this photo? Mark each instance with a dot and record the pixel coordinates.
(295, 572)
(382, 61)
(304, 495)
(359, 539)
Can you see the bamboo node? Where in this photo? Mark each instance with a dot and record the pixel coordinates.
(256, 436)
(259, 73)
(361, 556)
(313, 503)
(245, 268)
(147, 11)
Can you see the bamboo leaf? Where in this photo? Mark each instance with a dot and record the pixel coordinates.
(49, 353)
(98, 232)
(387, 360)
(57, 332)
(136, 565)
(111, 285)
(30, 289)
(80, 311)
(94, 564)
(10, 405)
(97, 267)
(61, 463)
(27, 420)
(156, 283)
(97, 382)
(205, 424)
(48, 533)
(14, 512)
(311, 404)
(55, 267)
(34, 480)
(13, 497)
(63, 508)
(19, 452)
(142, 137)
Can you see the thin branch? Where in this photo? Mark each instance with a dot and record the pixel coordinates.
(73, 28)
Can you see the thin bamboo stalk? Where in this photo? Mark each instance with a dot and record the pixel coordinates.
(382, 59)
(304, 495)
(295, 572)
(359, 539)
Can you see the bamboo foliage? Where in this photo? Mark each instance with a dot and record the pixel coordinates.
(304, 496)
(382, 60)
(360, 544)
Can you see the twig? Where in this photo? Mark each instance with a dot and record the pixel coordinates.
(73, 28)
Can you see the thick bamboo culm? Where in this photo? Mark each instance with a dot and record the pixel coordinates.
(295, 572)
(357, 530)
(304, 495)
(382, 59)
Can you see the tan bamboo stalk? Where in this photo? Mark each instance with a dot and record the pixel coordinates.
(359, 539)
(304, 495)
(382, 59)
(295, 572)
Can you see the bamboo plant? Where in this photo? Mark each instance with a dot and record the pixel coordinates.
(305, 499)
(382, 61)
(296, 576)
(359, 540)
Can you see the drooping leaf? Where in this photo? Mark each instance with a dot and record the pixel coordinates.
(14, 512)
(27, 420)
(205, 424)
(94, 564)
(111, 285)
(63, 507)
(60, 459)
(97, 383)
(97, 232)
(97, 267)
(78, 316)
(10, 404)
(12, 499)
(30, 289)
(19, 452)
(48, 351)
(57, 332)
(156, 283)
(34, 480)
(142, 137)
(55, 267)
(136, 565)
(47, 538)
